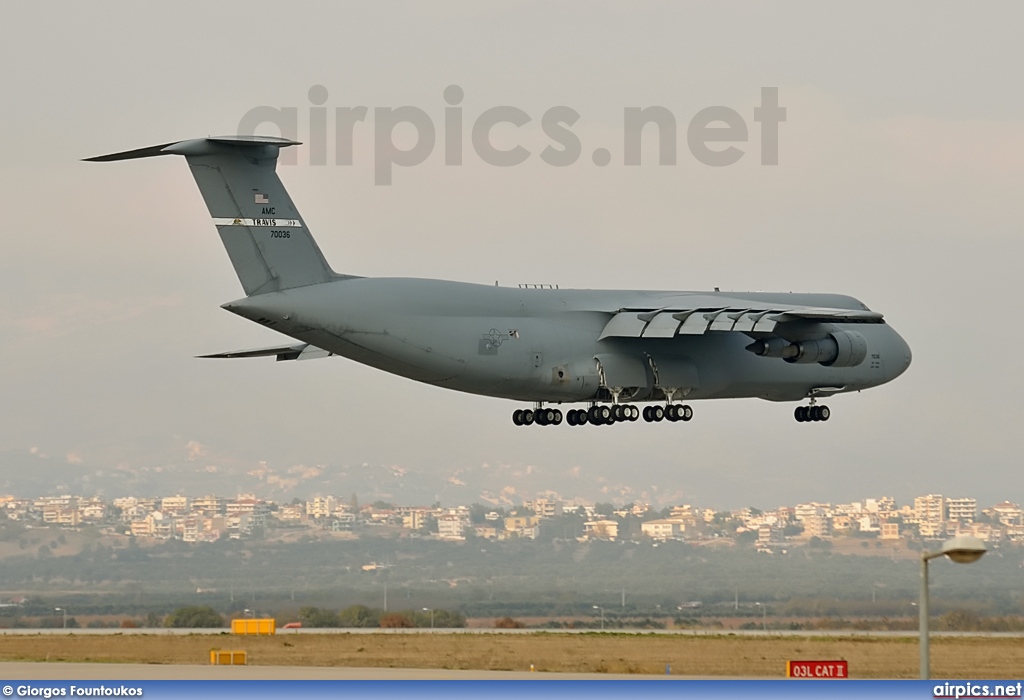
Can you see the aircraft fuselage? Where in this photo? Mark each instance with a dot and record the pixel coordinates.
(543, 345)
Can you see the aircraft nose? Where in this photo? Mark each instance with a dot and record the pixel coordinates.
(902, 357)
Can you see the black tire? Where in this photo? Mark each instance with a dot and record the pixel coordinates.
(686, 413)
(604, 414)
(634, 413)
(581, 417)
(814, 413)
(824, 413)
(670, 413)
(800, 414)
(647, 414)
(558, 417)
(570, 417)
(528, 417)
(517, 416)
(657, 413)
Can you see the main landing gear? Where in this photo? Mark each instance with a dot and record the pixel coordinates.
(673, 412)
(541, 416)
(811, 414)
(602, 415)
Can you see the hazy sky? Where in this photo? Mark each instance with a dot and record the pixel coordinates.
(900, 177)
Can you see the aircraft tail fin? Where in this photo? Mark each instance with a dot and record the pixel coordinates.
(266, 239)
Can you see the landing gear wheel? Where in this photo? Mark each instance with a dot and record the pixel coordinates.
(824, 413)
(800, 414)
(604, 415)
(556, 419)
(647, 414)
(671, 413)
(686, 413)
(617, 412)
(657, 413)
(527, 417)
(814, 413)
(581, 417)
(517, 416)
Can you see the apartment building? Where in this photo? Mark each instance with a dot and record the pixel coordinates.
(1006, 513)
(321, 506)
(601, 529)
(964, 510)
(210, 505)
(174, 504)
(665, 529)
(930, 508)
(545, 507)
(803, 511)
(817, 526)
(452, 525)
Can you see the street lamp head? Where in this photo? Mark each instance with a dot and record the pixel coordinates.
(964, 549)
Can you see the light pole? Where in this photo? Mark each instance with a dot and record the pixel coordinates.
(598, 607)
(963, 550)
(64, 613)
(431, 616)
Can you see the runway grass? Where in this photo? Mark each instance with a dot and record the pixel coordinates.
(725, 655)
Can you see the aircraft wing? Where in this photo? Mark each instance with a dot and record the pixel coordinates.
(670, 322)
(304, 351)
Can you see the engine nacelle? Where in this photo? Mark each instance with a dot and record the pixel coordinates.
(823, 351)
(839, 349)
(851, 349)
(768, 347)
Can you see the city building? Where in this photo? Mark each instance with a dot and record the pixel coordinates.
(452, 525)
(930, 509)
(962, 509)
(601, 529)
(665, 529)
(321, 506)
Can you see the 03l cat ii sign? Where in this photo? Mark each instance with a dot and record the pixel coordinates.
(817, 669)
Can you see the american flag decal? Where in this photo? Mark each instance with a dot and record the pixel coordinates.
(262, 198)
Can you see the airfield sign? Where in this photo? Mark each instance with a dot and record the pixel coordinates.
(817, 669)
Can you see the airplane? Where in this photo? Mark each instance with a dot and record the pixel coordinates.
(537, 344)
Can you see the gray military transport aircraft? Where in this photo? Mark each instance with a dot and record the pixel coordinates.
(537, 344)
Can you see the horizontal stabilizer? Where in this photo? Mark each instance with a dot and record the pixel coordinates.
(195, 147)
(305, 351)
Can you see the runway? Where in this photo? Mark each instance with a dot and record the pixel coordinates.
(165, 631)
(29, 671)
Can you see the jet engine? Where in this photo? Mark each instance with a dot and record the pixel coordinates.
(838, 349)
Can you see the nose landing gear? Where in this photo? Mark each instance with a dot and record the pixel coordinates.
(811, 414)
